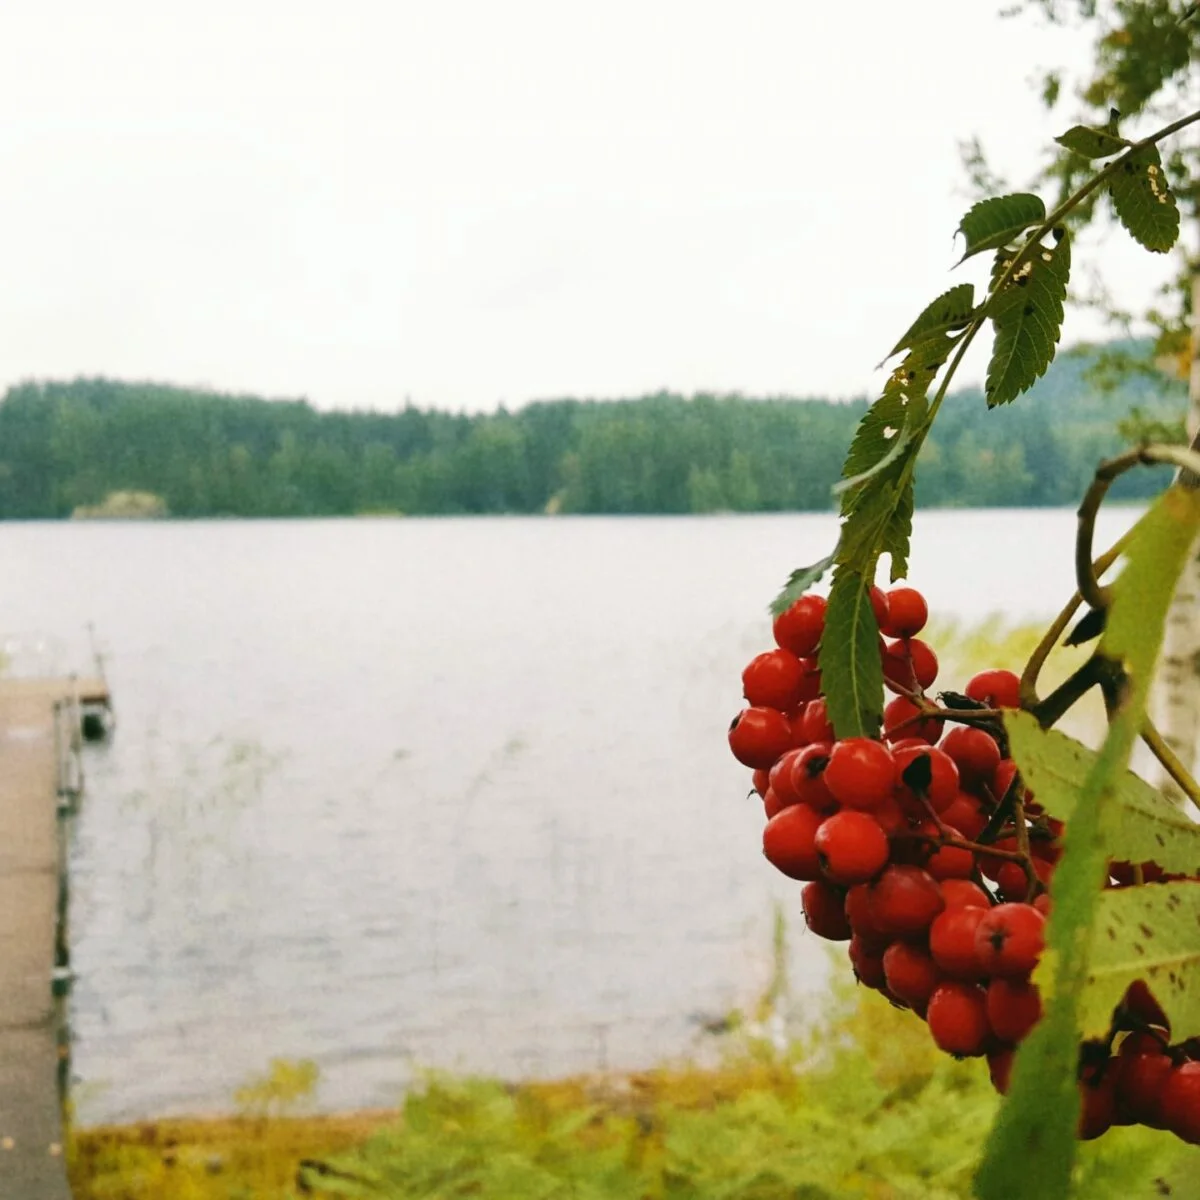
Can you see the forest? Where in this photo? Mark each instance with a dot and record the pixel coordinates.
(68, 445)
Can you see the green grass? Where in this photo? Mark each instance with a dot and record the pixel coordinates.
(863, 1107)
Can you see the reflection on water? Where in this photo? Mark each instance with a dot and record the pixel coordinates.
(450, 793)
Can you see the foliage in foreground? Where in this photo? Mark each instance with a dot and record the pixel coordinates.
(864, 1107)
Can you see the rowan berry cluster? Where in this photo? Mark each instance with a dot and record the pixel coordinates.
(924, 850)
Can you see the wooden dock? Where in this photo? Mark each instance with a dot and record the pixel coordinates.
(39, 781)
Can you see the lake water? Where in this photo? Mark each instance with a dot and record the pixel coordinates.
(394, 794)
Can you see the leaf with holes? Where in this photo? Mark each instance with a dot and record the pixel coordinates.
(951, 310)
(1146, 933)
(996, 222)
(851, 668)
(1143, 200)
(1093, 143)
(893, 420)
(799, 581)
(1027, 314)
(1140, 825)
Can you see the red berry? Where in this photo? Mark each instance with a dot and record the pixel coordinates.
(851, 847)
(1000, 1068)
(952, 941)
(1141, 1080)
(974, 751)
(1002, 778)
(966, 815)
(824, 911)
(759, 736)
(990, 865)
(1010, 940)
(951, 862)
(957, 1017)
(907, 613)
(962, 893)
(772, 805)
(1181, 1102)
(773, 680)
(808, 777)
(996, 689)
(1014, 1007)
(891, 817)
(799, 629)
(879, 606)
(904, 900)
(861, 772)
(1099, 1107)
(858, 912)
(780, 779)
(868, 966)
(1012, 880)
(762, 780)
(815, 725)
(898, 722)
(937, 777)
(789, 842)
(810, 683)
(909, 665)
(911, 974)
(1044, 904)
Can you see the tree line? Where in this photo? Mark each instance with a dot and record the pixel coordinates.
(65, 445)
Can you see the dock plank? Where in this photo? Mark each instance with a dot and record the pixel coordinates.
(31, 1118)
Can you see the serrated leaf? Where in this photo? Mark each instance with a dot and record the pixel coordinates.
(799, 581)
(1027, 314)
(1091, 142)
(1031, 1150)
(1144, 202)
(1147, 933)
(901, 406)
(951, 310)
(999, 220)
(851, 668)
(1141, 825)
(897, 533)
(897, 440)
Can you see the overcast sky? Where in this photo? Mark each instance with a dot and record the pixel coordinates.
(473, 201)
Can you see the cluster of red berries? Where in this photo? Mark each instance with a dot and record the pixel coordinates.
(924, 850)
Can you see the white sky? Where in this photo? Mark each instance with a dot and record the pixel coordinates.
(470, 201)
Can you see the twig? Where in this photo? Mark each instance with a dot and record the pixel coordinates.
(1170, 761)
(1029, 677)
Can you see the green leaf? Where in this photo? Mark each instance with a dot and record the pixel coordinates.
(851, 667)
(1144, 202)
(799, 581)
(997, 221)
(897, 533)
(951, 310)
(1154, 558)
(1026, 314)
(1031, 1149)
(901, 407)
(897, 438)
(1091, 142)
(1141, 825)
(1147, 933)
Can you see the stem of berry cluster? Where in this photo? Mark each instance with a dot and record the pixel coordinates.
(1171, 763)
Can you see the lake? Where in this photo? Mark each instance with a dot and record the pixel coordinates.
(395, 794)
